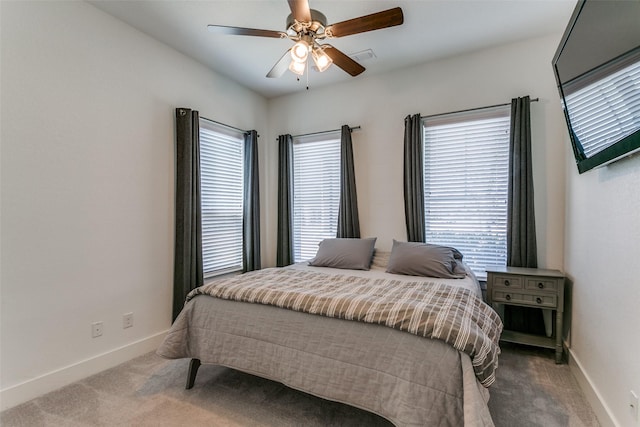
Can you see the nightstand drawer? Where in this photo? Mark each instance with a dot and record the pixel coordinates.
(507, 282)
(542, 285)
(519, 297)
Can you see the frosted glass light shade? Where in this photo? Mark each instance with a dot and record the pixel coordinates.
(297, 67)
(321, 59)
(300, 51)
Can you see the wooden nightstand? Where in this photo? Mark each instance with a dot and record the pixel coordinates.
(529, 287)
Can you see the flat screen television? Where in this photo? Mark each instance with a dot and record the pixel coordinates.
(597, 68)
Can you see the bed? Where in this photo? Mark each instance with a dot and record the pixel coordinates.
(369, 354)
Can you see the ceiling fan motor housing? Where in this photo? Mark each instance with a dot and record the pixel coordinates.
(317, 24)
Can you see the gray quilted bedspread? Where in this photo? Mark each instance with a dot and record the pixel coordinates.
(427, 309)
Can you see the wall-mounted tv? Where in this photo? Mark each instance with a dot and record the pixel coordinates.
(597, 68)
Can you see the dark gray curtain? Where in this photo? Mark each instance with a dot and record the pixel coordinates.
(284, 255)
(188, 273)
(348, 219)
(413, 179)
(251, 205)
(521, 224)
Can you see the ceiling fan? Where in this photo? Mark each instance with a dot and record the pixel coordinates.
(307, 27)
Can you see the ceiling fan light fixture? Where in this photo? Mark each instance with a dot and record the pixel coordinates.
(321, 59)
(300, 51)
(297, 67)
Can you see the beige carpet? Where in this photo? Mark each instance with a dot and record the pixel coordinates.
(531, 390)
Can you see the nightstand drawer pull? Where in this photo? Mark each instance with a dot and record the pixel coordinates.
(507, 297)
(540, 285)
(506, 283)
(539, 300)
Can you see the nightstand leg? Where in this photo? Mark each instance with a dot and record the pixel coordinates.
(559, 317)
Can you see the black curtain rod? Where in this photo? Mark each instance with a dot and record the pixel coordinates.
(324, 131)
(226, 126)
(473, 109)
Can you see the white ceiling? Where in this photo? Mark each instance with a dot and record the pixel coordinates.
(432, 29)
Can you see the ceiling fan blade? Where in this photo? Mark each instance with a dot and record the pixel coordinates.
(375, 21)
(300, 10)
(343, 61)
(239, 31)
(281, 66)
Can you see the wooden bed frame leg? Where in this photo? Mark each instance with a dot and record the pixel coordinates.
(193, 371)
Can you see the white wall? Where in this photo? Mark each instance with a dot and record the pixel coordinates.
(380, 103)
(601, 257)
(87, 187)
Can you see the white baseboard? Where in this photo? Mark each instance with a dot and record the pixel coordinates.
(602, 411)
(54, 380)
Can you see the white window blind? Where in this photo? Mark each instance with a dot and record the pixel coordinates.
(221, 165)
(606, 109)
(316, 192)
(466, 162)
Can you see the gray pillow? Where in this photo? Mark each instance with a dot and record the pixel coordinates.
(424, 259)
(354, 254)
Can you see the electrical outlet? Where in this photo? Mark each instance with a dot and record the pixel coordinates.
(96, 329)
(633, 404)
(127, 320)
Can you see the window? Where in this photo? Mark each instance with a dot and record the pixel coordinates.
(316, 192)
(221, 165)
(466, 170)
